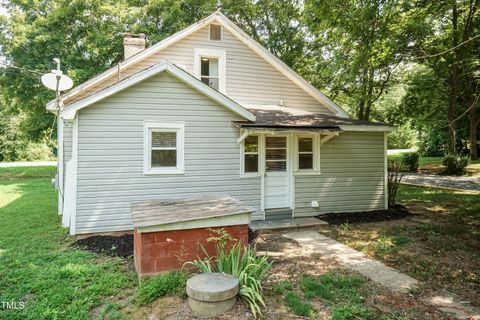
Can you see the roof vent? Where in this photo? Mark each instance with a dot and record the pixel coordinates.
(215, 32)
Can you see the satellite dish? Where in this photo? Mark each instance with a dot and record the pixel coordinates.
(56, 80)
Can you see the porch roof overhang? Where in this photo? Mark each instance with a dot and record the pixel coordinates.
(280, 118)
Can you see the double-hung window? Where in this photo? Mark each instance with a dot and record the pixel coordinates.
(209, 72)
(164, 148)
(251, 155)
(308, 153)
(210, 67)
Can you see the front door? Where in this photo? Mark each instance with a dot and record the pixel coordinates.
(276, 172)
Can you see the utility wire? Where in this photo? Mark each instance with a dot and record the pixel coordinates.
(18, 74)
(448, 50)
(21, 68)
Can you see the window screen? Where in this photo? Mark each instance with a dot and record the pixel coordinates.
(305, 153)
(164, 149)
(251, 154)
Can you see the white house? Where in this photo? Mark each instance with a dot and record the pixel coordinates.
(209, 111)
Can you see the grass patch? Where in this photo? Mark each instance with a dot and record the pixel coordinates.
(38, 266)
(282, 286)
(298, 306)
(155, 287)
(28, 172)
(341, 292)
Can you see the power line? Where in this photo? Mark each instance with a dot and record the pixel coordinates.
(21, 68)
(18, 74)
(448, 50)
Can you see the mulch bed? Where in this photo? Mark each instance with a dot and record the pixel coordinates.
(113, 246)
(394, 213)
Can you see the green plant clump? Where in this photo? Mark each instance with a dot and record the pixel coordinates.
(455, 164)
(297, 306)
(342, 293)
(411, 161)
(241, 262)
(168, 283)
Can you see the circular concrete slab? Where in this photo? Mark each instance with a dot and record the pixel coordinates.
(212, 287)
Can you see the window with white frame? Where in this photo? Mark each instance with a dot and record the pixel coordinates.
(164, 148)
(308, 152)
(210, 68)
(209, 72)
(251, 155)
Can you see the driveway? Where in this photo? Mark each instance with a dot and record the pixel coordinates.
(438, 181)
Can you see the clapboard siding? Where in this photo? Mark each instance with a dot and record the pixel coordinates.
(67, 148)
(352, 176)
(110, 155)
(250, 79)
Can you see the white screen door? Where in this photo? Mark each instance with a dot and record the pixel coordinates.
(276, 172)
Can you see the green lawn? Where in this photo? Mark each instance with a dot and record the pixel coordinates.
(38, 265)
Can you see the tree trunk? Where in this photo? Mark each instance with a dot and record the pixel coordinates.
(454, 86)
(474, 123)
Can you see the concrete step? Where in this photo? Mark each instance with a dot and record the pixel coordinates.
(286, 224)
(275, 214)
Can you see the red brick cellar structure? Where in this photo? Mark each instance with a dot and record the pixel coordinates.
(160, 251)
(169, 233)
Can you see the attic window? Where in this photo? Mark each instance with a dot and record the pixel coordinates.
(215, 32)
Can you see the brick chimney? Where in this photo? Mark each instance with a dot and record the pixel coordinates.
(133, 44)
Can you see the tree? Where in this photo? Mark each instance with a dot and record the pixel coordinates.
(451, 49)
(85, 34)
(359, 44)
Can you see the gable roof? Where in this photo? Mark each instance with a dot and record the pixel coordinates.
(219, 18)
(166, 66)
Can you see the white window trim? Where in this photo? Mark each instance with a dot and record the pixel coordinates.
(209, 32)
(316, 154)
(179, 128)
(242, 158)
(221, 55)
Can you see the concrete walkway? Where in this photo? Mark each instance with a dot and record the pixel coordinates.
(437, 181)
(28, 164)
(380, 273)
(260, 225)
(355, 260)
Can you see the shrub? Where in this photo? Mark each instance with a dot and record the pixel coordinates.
(455, 164)
(241, 262)
(433, 143)
(402, 138)
(395, 175)
(37, 151)
(173, 282)
(411, 161)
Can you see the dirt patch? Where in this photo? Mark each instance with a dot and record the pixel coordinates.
(290, 262)
(431, 245)
(113, 246)
(395, 213)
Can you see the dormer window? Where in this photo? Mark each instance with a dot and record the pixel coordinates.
(209, 72)
(215, 32)
(210, 68)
